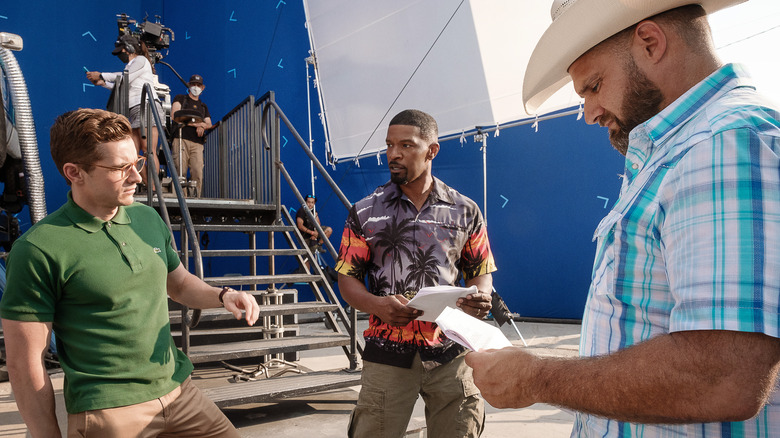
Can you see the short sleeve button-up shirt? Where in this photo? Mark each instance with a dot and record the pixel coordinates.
(693, 242)
(400, 249)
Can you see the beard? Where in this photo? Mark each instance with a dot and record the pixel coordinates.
(399, 178)
(641, 101)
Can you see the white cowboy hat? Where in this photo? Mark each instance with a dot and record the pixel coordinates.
(578, 26)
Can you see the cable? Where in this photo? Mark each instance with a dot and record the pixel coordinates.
(174, 72)
(749, 37)
(446, 25)
(268, 54)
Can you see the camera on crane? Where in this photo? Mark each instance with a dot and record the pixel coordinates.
(154, 35)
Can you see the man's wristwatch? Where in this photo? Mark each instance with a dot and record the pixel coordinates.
(222, 293)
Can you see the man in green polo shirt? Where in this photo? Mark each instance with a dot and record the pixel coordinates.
(98, 272)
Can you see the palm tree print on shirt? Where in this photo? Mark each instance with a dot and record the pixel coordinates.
(424, 269)
(395, 239)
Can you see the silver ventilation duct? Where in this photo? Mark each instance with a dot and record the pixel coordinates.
(25, 127)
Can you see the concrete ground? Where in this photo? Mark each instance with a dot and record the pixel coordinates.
(327, 414)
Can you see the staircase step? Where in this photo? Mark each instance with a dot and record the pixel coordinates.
(289, 385)
(262, 279)
(238, 350)
(249, 252)
(220, 314)
(255, 331)
(243, 227)
(225, 335)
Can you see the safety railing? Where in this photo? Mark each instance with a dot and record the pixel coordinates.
(119, 100)
(148, 114)
(242, 162)
(236, 167)
(271, 115)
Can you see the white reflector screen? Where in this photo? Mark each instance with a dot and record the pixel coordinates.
(463, 61)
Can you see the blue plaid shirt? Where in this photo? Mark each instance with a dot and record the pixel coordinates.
(693, 242)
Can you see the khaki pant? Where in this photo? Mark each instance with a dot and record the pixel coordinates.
(184, 412)
(192, 158)
(453, 407)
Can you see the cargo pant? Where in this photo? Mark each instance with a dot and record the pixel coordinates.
(453, 406)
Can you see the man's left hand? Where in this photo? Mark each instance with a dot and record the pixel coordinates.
(236, 301)
(477, 305)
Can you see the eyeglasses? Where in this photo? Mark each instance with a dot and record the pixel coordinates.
(125, 170)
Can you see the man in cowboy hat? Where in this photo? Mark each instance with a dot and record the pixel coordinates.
(680, 332)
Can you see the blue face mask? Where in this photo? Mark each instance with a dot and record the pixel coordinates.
(195, 90)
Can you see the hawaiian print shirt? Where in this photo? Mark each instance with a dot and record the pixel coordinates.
(401, 250)
(693, 242)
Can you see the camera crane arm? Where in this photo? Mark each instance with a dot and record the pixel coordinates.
(174, 72)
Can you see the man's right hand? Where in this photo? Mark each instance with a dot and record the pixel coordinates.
(391, 309)
(503, 376)
(94, 77)
(26, 343)
(394, 311)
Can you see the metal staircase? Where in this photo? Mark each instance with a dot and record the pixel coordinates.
(242, 204)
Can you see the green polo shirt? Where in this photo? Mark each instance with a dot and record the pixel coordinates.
(102, 284)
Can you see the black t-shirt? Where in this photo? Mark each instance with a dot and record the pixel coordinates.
(307, 223)
(300, 214)
(191, 132)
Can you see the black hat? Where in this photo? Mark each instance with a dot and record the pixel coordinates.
(310, 196)
(127, 42)
(196, 79)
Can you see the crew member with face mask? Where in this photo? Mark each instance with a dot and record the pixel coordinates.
(189, 139)
(140, 72)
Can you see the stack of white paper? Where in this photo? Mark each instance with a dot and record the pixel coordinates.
(433, 300)
(470, 332)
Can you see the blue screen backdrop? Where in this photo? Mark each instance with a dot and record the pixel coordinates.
(547, 190)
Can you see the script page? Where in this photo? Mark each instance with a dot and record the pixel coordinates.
(470, 332)
(433, 300)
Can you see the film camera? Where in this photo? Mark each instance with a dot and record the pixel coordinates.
(155, 35)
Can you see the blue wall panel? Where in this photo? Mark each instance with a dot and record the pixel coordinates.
(60, 40)
(546, 189)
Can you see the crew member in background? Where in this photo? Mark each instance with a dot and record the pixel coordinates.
(308, 229)
(140, 72)
(188, 141)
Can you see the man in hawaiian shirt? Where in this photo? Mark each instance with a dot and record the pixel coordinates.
(413, 232)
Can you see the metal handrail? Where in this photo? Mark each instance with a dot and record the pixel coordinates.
(297, 193)
(348, 205)
(279, 165)
(272, 146)
(147, 113)
(305, 148)
(266, 138)
(354, 348)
